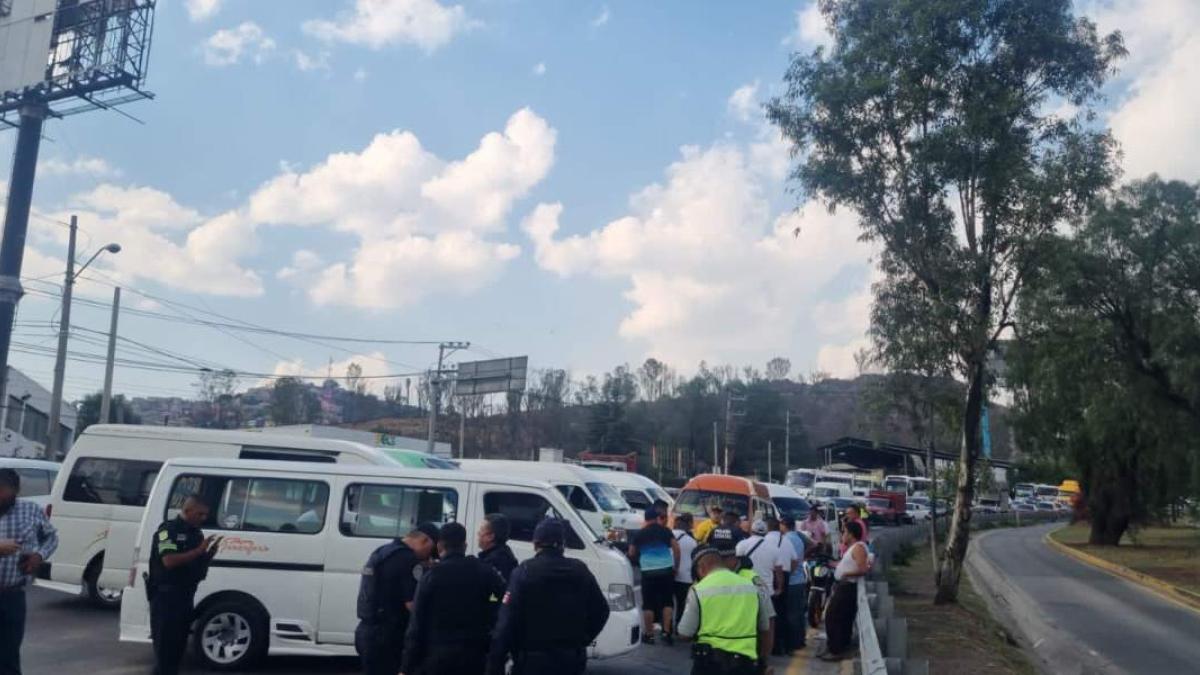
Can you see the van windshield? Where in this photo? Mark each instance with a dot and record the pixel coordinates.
(792, 508)
(607, 497)
(799, 479)
(697, 502)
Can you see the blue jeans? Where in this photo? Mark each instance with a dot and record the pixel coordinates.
(797, 609)
(12, 631)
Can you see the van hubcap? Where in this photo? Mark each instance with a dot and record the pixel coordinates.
(226, 637)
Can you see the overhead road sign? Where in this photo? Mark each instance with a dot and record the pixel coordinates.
(494, 376)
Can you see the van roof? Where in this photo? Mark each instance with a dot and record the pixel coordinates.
(240, 437)
(554, 470)
(326, 469)
(715, 482)
(13, 462)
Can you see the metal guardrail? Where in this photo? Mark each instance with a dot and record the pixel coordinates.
(870, 654)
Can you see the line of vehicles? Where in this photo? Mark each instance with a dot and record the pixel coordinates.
(300, 515)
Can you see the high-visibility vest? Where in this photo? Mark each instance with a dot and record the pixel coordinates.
(728, 613)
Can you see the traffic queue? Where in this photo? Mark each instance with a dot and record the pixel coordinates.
(249, 546)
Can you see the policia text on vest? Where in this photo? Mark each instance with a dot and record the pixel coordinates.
(726, 617)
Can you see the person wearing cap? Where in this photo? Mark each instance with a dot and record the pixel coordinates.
(552, 611)
(26, 539)
(452, 615)
(385, 598)
(705, 528)
(725, 614)
(656, 553)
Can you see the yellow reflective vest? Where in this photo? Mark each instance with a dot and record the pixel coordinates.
(728, 613)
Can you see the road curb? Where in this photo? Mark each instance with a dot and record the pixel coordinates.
(1179, 596)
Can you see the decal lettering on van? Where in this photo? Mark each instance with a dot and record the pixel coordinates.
(245, 546)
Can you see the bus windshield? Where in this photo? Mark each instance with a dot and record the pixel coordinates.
(801, 478)
(697, 503)
(896, 485)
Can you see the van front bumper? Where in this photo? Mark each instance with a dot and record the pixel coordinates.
(621, 635)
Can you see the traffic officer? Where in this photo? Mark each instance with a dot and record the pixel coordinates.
(179, 560)
(385, 596)
(493, 544)
(552, 611)
(727, 617)
(452, 615)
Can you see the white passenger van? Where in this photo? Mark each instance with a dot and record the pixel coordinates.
(37, 476)
(99, 495)
(591, 494)
(297, 535)
(828, 490)
(637, 490)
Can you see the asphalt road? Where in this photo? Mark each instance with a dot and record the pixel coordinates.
(66, 635)
(1122, 627)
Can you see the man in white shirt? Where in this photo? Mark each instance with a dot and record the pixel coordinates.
(763, 557)
(687, 544)
(787, 562)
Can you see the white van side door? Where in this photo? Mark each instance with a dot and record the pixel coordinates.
(369, 513)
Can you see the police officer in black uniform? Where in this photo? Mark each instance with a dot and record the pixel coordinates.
(452, 617)
(179, 561)
(552, 611)
(385, 596)
(493, 544)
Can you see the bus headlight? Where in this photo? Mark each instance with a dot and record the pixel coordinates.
(621, 598)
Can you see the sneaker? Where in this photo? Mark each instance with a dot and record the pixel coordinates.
(668, 639)
(647, 639)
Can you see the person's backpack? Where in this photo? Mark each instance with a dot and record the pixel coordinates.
(744, 561)
(369, 608)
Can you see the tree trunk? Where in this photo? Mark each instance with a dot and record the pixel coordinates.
(950, 567)
(1111, 499)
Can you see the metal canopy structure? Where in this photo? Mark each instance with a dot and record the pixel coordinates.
(891, 457)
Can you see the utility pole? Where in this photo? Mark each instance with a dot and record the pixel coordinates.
(730, 413)
(60, 362)
(770, 475)
(435, 383)
(106, 397)
(462, 433)
(16, 224)
(787, 441)
(716, 465)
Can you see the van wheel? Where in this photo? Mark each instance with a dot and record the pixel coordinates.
(107, 598)
(232, 635)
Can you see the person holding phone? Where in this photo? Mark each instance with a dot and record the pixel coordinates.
(178, 563)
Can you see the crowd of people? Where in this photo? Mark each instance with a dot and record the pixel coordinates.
(737, 589)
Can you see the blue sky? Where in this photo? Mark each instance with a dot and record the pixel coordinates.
(588, 183)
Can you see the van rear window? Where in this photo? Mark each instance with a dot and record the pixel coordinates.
(119, 482)
(247, 504)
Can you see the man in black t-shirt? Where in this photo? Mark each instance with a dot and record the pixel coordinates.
(656, 553)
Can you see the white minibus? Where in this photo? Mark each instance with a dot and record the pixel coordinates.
(637, 490)
(591, 494)
(802, 480)
(98, 498)
(824, 491)
(37, 477)
(297, 535)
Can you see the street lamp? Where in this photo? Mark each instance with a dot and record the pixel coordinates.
(53, 437)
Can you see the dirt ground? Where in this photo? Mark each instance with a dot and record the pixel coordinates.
(956, 639)
(1171, 554)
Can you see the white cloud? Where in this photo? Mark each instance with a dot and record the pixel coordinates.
(373, 365)
(80, 166)
(161, 240)
(743, 103)
(712, 271)
(539, 69)
(199, 10)
(602, 18)
(810, 30)
(422, 223)
(227, 46)
(427, 24)
(360, 75)
(1155, 118)
(308, 63)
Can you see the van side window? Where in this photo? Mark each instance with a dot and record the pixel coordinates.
(390, 511)
(524, 511)
(637, 499)
(576, 497)
(255, 504)
(35, 482)
(119, 482)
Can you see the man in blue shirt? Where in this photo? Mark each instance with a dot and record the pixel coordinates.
(26, 539)
(656, 553)
(797, 589)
